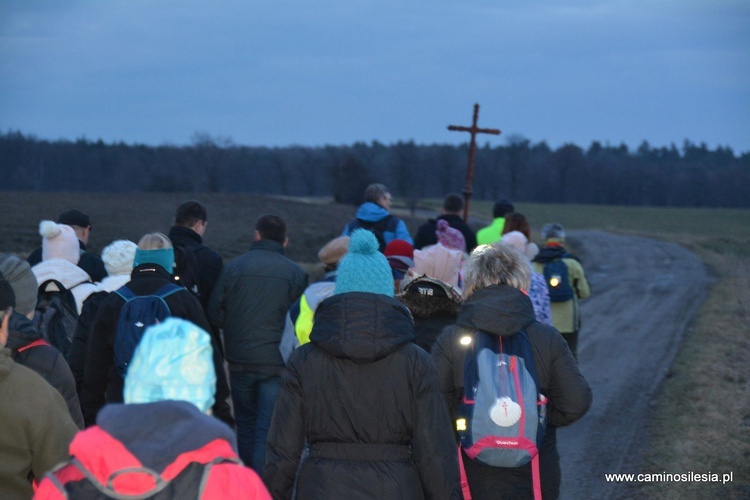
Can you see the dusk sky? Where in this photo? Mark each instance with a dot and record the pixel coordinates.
(283, 72)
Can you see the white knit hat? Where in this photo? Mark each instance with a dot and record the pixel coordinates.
(59, 242)
(118, 257)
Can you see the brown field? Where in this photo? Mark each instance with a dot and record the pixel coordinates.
(702, 419)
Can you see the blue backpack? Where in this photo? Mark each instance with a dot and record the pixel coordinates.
(502, 418)
(138, 313)
(558, 281)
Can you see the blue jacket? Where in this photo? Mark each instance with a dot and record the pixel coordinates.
(372, 212)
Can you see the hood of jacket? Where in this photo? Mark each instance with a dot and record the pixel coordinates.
(362, 327)
(371, 212)
(550, 253)
(498, 309)
(61, 270)
(152, 435)
(112, 283)
(21, 332)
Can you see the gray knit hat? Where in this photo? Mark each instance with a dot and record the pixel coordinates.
(18, 273)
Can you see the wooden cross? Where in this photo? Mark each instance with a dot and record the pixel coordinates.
(473, 130)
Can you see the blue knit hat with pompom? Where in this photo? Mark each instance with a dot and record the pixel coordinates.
(364, 268)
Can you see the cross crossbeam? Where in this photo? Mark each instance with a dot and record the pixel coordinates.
(473, 130)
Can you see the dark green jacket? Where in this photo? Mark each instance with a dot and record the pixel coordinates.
(250, 302)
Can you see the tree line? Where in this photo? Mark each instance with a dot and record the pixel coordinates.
(692, 175)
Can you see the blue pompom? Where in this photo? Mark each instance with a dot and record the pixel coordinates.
(363, 242)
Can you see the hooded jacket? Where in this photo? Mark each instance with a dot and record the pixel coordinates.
(35, 428)
(71, 276)
(44, 360)
(503, 311)
(372, 212)
(89, 262)
(168, 438)
(565, 315)
(366, 400)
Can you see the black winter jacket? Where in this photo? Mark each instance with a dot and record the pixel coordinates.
(210, 263)
(503, 311)
(46, 360)
(366, 400)
(250, 302)
(102, 383)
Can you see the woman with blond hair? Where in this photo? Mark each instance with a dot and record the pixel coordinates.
(152, 269)
(497, 305)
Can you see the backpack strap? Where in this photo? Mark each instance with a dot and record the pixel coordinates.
(127, 294)
(168, 290)
(35, 343)
(464, 479)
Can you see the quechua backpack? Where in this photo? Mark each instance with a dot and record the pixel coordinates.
(502, 417)
(138, 313)
(558, 281)
(56, 315)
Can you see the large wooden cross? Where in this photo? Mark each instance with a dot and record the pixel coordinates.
(473, 130)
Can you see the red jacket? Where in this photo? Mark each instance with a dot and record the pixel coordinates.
(157, 442)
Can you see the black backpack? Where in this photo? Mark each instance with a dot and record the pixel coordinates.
(56, 315)
(558, 281)
(186, 271)
(387, 223)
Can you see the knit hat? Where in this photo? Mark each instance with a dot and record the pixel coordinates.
(333, 251)
(163, 257)
(173, 361)
(515, 239)
(438, 262)
(450, 237)
(552, 231)
(364, 268)
(59, 242)
(20, 276)
(501, 208)
(7, 297)
(74, 218)
(118, 257)
(400, 255)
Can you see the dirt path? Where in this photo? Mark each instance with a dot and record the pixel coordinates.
(644, 294)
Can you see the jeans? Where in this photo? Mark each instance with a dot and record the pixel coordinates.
(254, 398)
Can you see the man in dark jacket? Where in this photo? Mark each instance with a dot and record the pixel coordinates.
(496, 304)
(364, 397)
(190, 221)
(102, 383)
(453, 205)
(249, 302)
(89, 262)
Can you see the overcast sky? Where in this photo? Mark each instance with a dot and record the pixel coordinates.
(282, 72)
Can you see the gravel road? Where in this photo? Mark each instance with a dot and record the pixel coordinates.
(644, 295)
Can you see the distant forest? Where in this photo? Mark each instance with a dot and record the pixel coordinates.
(690, 176)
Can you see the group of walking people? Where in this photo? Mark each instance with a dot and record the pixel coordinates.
(185, 374)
